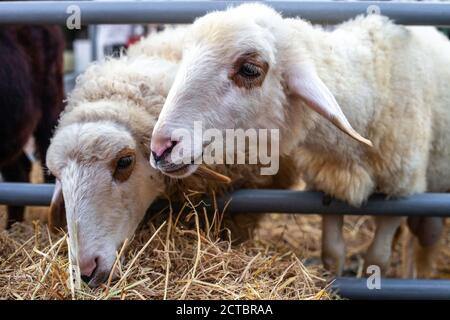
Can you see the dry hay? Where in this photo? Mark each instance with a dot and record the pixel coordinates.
(166, 260)
(302, 235)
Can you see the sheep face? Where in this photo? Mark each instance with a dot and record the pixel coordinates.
(224, 74)
(107, 186)
(239, 71)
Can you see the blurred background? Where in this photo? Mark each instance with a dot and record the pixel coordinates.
(98, 41)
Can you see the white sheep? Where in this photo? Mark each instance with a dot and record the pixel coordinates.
(167, 44)
(99, 154)
(247, 67)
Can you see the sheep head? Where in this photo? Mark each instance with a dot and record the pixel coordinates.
(106, 186)
(240, 69)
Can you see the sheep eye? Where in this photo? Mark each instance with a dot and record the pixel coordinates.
(249, 70)
(123, 167)
(124, 162)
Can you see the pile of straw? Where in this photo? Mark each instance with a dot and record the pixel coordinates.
(167, 260)
(164, 261)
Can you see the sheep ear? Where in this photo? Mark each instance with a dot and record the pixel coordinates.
(57, 213)
(303, 81)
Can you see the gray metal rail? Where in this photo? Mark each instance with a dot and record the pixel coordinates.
(25, 194)
(267, 201)
(399, 289)
(326, 12)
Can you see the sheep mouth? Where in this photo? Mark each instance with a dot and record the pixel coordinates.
(99, 278)
(173, 169)
(179, 171)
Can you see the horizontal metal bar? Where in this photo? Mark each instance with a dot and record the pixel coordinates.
(254, 201)
(407, 289)
(106, 12)
(26, 194)
(268, 201)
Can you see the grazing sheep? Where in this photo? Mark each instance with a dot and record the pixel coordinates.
(31, 98)
(100, 153)
(247, 67)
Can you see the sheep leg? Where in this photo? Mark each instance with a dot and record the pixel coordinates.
(17, 171)
(407, 253)
(379, 252)
(333, 246)
(428, 231)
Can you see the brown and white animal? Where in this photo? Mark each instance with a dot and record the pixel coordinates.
(31, 98)
(247, 67)
(100, 153)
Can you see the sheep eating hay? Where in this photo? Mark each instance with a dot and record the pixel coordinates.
(367, 78)
(100, 153)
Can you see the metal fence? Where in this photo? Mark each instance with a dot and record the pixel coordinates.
(104, 12)
(267, 201)
(258, 201)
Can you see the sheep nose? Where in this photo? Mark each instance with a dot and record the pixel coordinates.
(161, 147)
(87, 268)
